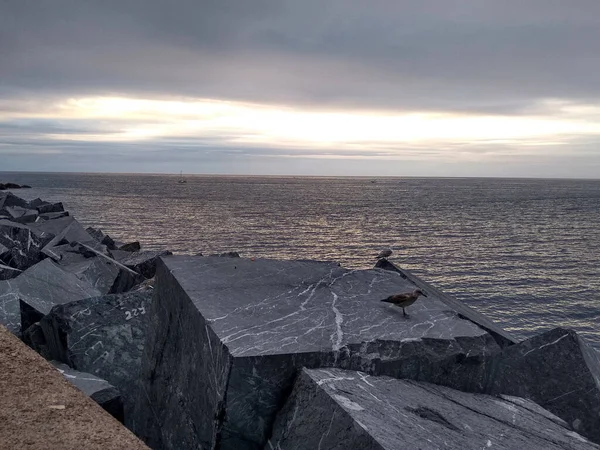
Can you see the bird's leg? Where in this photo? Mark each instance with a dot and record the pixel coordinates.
(404, 312)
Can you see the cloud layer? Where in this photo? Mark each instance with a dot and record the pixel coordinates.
(506, 83)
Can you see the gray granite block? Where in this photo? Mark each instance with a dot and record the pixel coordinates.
(243, 328)
(99, 390)
(38, 289)
(99, 272)
(53, 215)
(559, 371)
(336, 409)
(143, 262)
(103, 336)
(50, 208)
(7, 272)
(25, 246)
(22, 215)
(9, 199)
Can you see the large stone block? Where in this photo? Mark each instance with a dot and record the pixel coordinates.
(336, 409)
(25, 246)
(228, 335)
(9, 199)
(50, 208)
(143, 262)
(103, 336)
(7, 272)
(99, 390)
(103, 274)
(559, 371)
(39, 288)
(22, 215)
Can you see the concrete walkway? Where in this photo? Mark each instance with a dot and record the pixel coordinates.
(39, 409)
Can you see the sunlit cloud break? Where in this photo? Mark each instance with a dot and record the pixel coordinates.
(123, 119)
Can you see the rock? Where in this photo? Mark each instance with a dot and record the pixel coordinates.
(7, 272)
(21, 215)
(227, 255)
(39, 288)
(25, 245)
(559, 371)
(103, 336)
(98, 272)
(244, 328)
(503, 338)
(37, 202)
(51, 208)
(99, 390)
(9, 199)
(53, 215)
(337, 409)
(102, 238)
(142, 262)
(65, 230)
(68, 254)
(131, 247)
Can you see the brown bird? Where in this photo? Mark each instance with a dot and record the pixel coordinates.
(404, 300)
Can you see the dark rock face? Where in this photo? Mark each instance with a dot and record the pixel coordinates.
(101, 238)
(557, 370)
(103, 336)
(52, 215)
(9, 199)
(338, 409)
(25, 246)
(99, 390)
(7, 272)
(246, 327)
(50, 208)
(131, 247)
(21, 215)
(39, 288)
(143, 262)
(97, 271)
(227, 255)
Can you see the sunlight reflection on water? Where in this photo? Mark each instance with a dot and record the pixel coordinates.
(526, 253)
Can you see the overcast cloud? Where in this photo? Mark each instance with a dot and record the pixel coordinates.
(511, 59)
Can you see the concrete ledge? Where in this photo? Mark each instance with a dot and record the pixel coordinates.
(41, 410)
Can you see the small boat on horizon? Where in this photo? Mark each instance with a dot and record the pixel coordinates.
(181, 179)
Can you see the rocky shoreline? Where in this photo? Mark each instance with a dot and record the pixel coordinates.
(7, 186)
(236, 353)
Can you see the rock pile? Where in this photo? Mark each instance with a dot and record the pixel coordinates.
(74, 295)
(5, 186)
(234, 353)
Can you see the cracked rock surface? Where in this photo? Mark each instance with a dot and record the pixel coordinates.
(337, 409)
(244, 328)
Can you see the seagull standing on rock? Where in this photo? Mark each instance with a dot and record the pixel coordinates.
(385, 253)
(404, 300)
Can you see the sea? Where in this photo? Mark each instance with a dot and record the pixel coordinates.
(524, 252)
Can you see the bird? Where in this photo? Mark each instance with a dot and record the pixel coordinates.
(405, 299)
(385, 253)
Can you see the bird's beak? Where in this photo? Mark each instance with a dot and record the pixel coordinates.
(423, 294)
(385, 300)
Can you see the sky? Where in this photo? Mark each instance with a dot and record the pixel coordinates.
(338, 87)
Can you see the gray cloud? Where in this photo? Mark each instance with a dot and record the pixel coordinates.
(443, 55)
(451, 55)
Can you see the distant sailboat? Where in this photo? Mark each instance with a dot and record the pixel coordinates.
(181, 179)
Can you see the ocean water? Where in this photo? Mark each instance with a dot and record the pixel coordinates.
(526, 253)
